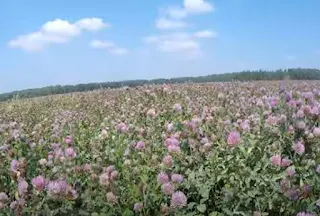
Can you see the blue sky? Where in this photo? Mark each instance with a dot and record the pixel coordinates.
(68, 42)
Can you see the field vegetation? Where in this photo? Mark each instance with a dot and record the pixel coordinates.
(232, 148)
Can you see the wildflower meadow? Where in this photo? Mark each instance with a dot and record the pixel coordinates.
(233, 148)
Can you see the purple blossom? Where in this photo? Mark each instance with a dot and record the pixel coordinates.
(307, 109)
(14, 165)
(299, 148)
(20, 202)
(318, 169)
(178, 200)
(122, 127)
(38, 182)
(290, 129)
(286, 162)
(140, 145)
(288, 96)
(272, 120)
(292, 103)
(110, 169)
(3, 197)
(276, 160)
(171, 141)
(293, 194)
(245, 125)
(191, 125)
(176, 178)
(272, 101)
(70, 153)
(57, 187)
(173, 148)
(167, 161)
(315, 111)
(300, 114)
(162, 178)
(291, 171)
(301, 125)
(307, 95)
(58, 153)
(167, 188)
(234, 138)
(316, 132)
(68, 139)
(13, 204)
(104, 179)
(22, 187)
(306, 188)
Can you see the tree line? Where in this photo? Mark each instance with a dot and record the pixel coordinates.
(293, 74)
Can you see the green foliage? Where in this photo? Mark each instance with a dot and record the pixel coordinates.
(293, 74)
(221, 175)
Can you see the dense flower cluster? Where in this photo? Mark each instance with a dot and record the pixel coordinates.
(245, 148)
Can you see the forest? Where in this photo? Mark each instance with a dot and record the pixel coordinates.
(293, 74)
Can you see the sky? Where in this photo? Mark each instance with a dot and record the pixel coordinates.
(80, 41)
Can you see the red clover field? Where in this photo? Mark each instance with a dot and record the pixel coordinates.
(233, 148)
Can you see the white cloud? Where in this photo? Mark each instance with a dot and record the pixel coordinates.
(190, 7)
(197, 6)
(60, 28)
(205, 34)
(91, 24)
(174, 15)
(164, 23)
(111, 47)
(173, 18)
(176, 12)
(170, 36)
(174, 42)
(35, 41)
(55, 32)
(179, 41)
(178, 45)
(101, 44)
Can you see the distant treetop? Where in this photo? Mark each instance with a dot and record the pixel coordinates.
(293, 74)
